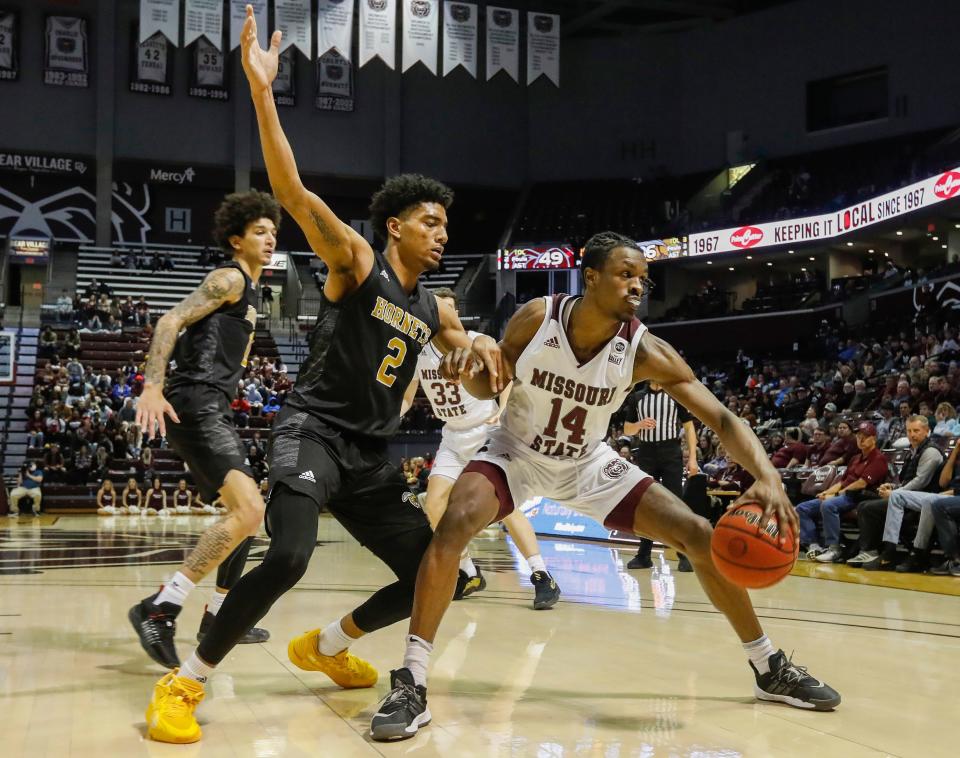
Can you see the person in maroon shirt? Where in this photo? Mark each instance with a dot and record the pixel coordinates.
(793, 453)
(843, 448)
(868, 470)
(817, 449)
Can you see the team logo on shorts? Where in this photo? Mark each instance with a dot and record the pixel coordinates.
(409, 497)
(615, 469)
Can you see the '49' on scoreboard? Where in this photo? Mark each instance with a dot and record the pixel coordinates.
(537, 258)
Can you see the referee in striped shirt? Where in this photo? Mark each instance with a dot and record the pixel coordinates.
(658, 421)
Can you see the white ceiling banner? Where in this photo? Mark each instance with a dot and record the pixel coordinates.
(335, 27)
(421, 29)
(292, 17)
(378, 31)
(238, 14)
(543, 47)
(160, 16)
(503, 42)
(459, 37)
(203, 18)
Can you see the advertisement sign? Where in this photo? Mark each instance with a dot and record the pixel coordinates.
(537, 258)
(28, 251)
(549, 517)
(662, 249)
(826, 226)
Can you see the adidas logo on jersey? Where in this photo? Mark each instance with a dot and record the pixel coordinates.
(308, 476)
(384, 275)
(552, 342)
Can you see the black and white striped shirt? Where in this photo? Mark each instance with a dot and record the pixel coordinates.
(667, 412)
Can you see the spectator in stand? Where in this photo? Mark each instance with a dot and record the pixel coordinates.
(843, 449)
(254, 399)
(49, 343)
(883, 427)
(106, 499)
(166, 263)
(131, 499)
(83, 464)
(145, 462)
(818, 447)
(793, 453)
(142, 312)
(810, 423)
(897, 433)
(266, 300)
(946, 418)
(128, 412)
(65, 313)
(35, 428)
(866, 471)
(29, 482)
(241, 411)
(829, 414)
(54, 464)
(861, 397)
(271, 407)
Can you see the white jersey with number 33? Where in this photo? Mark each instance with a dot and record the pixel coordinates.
(451, 402)
(558, 407)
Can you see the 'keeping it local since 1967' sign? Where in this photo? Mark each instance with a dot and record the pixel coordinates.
(929, 191)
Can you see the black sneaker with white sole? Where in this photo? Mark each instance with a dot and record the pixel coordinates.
(791, 684)
(403, 711)
(253, 636)
(546, 590)
(156, 626)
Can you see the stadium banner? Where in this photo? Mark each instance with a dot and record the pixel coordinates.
(537, 258)
(334, 83)
(284, 86)
(9, 45)
(238, 14)
(203, 18)
(825, 226)
(28, 251)
(66, 61)
(421, 28)
(209, 74)
(151, 66)
(292, 17)
(543, 47)
(378, 31)
(459, 37)
(12, 161)
(662, 249)
(335, 27)
(160, 17)
(503, 42)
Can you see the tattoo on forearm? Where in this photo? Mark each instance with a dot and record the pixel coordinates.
(325, 231)
(214, 546)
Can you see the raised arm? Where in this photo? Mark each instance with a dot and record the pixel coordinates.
(348, 255)
(222, 285)
(658, 361)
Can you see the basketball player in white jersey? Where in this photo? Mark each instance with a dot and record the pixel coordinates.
(573, 362)
(467, 421)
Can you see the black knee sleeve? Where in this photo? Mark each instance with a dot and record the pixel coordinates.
(231, 569)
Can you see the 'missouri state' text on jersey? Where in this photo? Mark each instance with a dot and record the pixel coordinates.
(456, 407)
(559, 407)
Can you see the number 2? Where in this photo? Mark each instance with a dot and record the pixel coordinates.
(392, 361)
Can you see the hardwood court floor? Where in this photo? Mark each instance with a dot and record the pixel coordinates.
(628, 664)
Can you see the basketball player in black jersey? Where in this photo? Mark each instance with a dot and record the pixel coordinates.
(209, 334)
(329, 442)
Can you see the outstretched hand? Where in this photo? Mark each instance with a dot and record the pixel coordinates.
(151, 409)
(465, 363)
(259, 65)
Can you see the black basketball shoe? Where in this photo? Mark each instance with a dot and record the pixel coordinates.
(546, 589)
(467, 585)
(156, 626)
(254, 635)
(403, 711)
(791, 684)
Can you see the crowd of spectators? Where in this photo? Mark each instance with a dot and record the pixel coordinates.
(96, 309)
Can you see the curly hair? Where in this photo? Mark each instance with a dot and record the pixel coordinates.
(238, 210)
(400, 193)
(447, 293)
(599, 247)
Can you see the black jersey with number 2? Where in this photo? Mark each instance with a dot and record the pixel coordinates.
(214, 350)
(363, 354)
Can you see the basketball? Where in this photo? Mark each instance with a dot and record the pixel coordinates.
(748, 556)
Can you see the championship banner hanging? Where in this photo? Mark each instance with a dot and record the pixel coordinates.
(335, 27)
(334, 83)
(292, 17)
(203, 18)
(421, 26)
(543, 47)
(9, 41)
(378, 30)
(503, 42)
(160, 16)
(66, 52)
(459, 37)
(209, 76)
(151, 65)
(284, 86)
(238, 14)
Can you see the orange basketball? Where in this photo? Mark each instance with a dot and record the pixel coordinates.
(747, 555)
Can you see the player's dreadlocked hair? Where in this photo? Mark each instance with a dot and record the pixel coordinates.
(598, 247)
(238, 210)
(400, 193)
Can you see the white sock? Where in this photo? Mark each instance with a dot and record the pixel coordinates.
(536, 563)
(417, 657)
(176, 590)
(196, 669)
(333, 639)
(466, 565)
(759, 652)
(215, 601)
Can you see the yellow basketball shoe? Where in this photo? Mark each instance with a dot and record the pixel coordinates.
(170, 713)
(346, 669)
